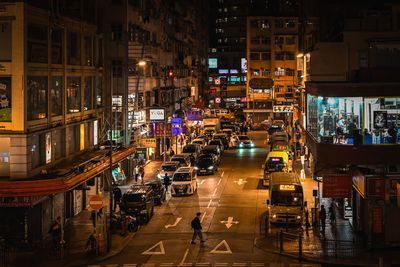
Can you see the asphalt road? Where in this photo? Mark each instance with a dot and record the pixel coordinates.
(232, 202)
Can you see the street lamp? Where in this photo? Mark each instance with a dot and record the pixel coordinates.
(142, 63)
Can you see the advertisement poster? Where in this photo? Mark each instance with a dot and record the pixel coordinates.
(194, 115)
(48, 147)
(337, 186)
(5, 99)
(157, 114)
(159, 130)
(380, 119)
(212, 63)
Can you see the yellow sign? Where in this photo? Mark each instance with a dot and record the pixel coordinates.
(148, 142)
(279, 109)
(286, 187)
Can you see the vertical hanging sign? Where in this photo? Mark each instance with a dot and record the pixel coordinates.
(48, 147)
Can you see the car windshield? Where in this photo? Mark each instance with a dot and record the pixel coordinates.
(189, 149)
(181, 177)
(169, 168)
(198, 142)
(214, 142)
(243, 137)
(205, 161)
(209, 151)
(280, 198)
(134, 197)
(180, 160)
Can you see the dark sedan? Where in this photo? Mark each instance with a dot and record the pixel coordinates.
(206, 164)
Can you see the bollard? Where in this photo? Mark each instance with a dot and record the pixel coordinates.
(281, 241)
(99, 244)
(300, 247)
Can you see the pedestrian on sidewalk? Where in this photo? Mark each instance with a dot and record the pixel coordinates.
(166, 182)
(136, 172)
(171, 153)
(55, 231)
(332, 216)
(117, 196)
(196, 225)
(141, 173)
(322, 217)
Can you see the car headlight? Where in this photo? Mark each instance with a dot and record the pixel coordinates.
(241, 144)
(298, 217)
(143, 211)
(251, 144)
(211, 167)
(273, 216)
(159, 176)
(196, 168)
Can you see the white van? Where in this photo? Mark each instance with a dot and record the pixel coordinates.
(184, 181)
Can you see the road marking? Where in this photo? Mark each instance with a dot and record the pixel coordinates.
(219, 181)
(202, 217)
(202, 263)
(239, 264)
(166, 264)
(202, 181)
(129, 265)
(240, 182)
(150, 252)
(222, 174)
(173, 225)
(209, 203)
(215, 191)
(111, 265)
(229, 222)
(226, 251)
(258, 264)
(182, 263)
(221, 264)
(148, 264)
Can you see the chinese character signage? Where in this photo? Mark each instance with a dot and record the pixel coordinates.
(281, 109)
(336, 186)
(212, 63)
(159, 130)
(157, 114)
(176, 130)
(148, 142)
(376, 187)
(176, 121)
(194, 115)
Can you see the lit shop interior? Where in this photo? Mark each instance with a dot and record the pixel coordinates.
(354, 120)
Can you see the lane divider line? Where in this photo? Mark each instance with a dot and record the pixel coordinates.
(202, 217)
(209, 203)
(215, 191)
(222, 174)
(219, 181)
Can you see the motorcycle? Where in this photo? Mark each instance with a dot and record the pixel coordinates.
(130, 222)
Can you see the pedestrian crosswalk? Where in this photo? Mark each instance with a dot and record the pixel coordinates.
(214, 264)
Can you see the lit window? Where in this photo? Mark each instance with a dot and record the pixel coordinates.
(279, 72)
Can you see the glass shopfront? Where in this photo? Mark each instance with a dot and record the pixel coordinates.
(353, 120)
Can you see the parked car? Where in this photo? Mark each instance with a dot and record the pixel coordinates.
(217, 142)
(139, 201)
(206, 164)
(200, 141)
(184, 182)
(223, 138)
(228, 132)
(192, 150)
(212, 149)
(184, 160)
(245, 141)
(159, 192)
(168, 167)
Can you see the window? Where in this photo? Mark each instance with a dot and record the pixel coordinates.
(117, 68)
(5, 44)
(278, 88)
(74, 48)
(289, 55)
(363, 60)
(265, 40)
(289, 72)
(59, 144)
(73, 94)
(290, 23)
(56, 46)
(255, 40)
(278, 23)
(266, 56)
(99, 86)
(264, 24)
(255, 72)
(99, 54)
(37, 97)
(116, 32)
(88, 91)
(266, 73)
(279, 56)
(290, 40)
(253, 23)
(279, 40)
(37, 44)
(255, 56)
(279, 72)
(88, 51)
(56, 94)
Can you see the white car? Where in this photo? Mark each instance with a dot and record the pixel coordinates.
(200, 142)
(184, 181)
(168, 167)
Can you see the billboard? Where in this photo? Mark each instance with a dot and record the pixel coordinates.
(243, 64)
(159, 130)
(212, 63)
(337, 186)
(194, 115)
(5, 99)
(157, 114)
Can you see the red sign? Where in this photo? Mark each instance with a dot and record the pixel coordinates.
(336, 186)
(243, 99)
(217, 81)
(96, 202)
(217, 100)
(376, 187)
(159, 130)
(377, 214)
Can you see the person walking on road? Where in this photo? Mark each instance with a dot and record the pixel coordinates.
(166, 182)
(332, 216)
(55, 231)
(196, 225)
(141, 173)
(322, 217)
(117, 196)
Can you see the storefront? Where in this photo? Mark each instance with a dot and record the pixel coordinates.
(354, 120)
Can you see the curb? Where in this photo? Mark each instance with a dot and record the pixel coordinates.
(312, 259)
(117, 250)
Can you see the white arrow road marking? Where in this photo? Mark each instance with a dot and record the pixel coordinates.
(202, 217)
(226, 251)
(240, 182)
(209, 203)
(150, 252)
(219, 181)
(173, 225)
(229, 222)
